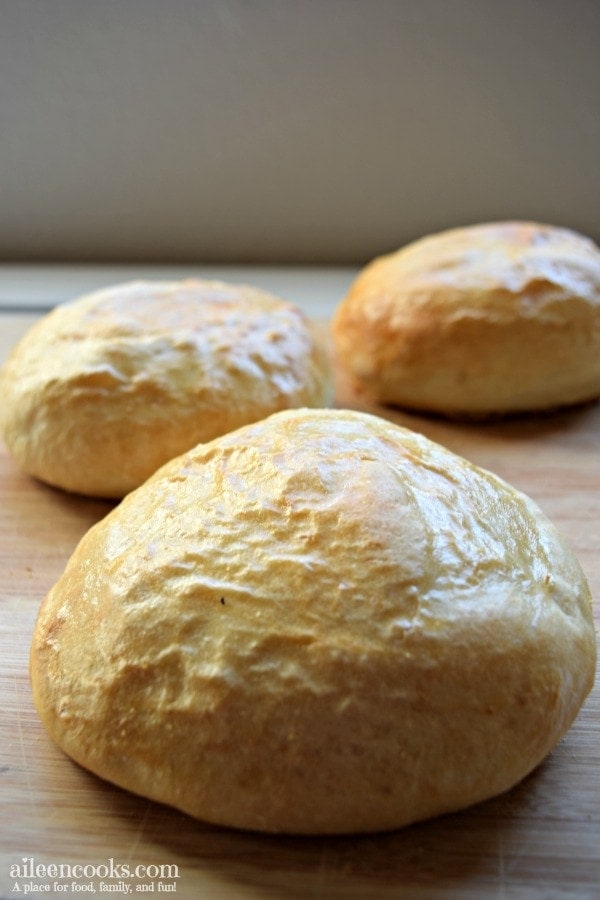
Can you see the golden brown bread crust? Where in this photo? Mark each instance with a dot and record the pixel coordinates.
(104, 390)
(484, 320)
(319, 623)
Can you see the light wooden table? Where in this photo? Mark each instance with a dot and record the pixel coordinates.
(540, 840)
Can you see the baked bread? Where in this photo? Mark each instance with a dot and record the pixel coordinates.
(104, 390)
(481, 321)
(319, 623)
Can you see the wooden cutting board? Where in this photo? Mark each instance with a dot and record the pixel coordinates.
(542, 839)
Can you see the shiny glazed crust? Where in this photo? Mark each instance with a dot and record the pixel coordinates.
(483, 320)
(104, 390)
(319, 623)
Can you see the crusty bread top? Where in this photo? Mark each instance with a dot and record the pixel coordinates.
(105, 389)
(321, 622)
(534, 264)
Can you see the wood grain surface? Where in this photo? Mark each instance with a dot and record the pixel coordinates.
(542, 839)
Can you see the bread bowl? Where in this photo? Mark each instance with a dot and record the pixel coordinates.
(319, 623)
(477, 322)
(105, 389)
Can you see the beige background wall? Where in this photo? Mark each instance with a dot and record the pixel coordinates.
(296, 131)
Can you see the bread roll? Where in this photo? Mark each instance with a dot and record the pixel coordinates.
(104, 390)
(319, 623)
(480, 321)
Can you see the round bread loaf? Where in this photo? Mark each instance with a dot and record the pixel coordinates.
(104, 390)
(319, 623)
(479, 321)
